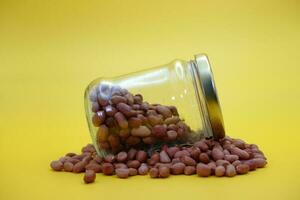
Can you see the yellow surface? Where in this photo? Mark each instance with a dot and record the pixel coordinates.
(51, 50)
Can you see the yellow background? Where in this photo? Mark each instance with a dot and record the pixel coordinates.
(51, 50)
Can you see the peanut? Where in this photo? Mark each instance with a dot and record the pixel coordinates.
(57, 165)
(133, 164)
(189, 170)
(141, 131)
(164, 158)
(217, 154)
(220, 171)
(122, 156)
(177, 168)
(154, 173)
(230, 170)
(164, 172)
(122, 121)
(89, 176)
(108, 169)
(242, 168)
(122, 172)
(203, 170)
(188, 161)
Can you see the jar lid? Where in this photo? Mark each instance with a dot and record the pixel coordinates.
(211, 101)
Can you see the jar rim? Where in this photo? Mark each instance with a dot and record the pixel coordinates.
(211, 101)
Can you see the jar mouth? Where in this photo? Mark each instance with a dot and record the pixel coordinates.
(207, 97)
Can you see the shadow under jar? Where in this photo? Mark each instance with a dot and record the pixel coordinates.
(172, 104)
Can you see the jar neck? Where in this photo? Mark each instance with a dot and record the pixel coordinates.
(202, 104)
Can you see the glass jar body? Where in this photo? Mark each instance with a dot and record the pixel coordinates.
(173, 87)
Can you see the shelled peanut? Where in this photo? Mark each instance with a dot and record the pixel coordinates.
(226, 157)
(125, 120)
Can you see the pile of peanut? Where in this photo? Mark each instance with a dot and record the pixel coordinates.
(125, 120)
(226, 157)
(128, 128)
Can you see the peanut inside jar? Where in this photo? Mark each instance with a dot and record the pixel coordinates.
(125, 120)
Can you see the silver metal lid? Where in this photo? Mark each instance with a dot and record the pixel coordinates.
(210, 96)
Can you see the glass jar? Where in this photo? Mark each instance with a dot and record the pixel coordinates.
(176, 103)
